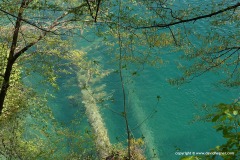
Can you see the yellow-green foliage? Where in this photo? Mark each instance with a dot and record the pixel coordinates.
(119, 152)
(33, 133)
(28, 128)
(16, 94)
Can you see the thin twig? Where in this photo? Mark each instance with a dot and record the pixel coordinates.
(213, 66)
(90, 10)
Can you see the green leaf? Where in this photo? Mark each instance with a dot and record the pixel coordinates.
(134, 73)
(223, 118)
(235, 113)
(215, 118)
(225, 132)
(219, 128)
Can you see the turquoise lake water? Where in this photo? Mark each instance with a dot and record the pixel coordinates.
(170, 126)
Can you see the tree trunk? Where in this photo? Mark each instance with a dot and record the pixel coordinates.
(11, 58)
(5, 84)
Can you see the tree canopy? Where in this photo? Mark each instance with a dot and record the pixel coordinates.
(38, 36)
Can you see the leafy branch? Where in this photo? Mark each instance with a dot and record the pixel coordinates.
(217, 63)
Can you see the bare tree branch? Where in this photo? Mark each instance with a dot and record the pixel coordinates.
(24, 49)
(24, 20)
(191, 19)
(89, 8)
(98, 6)
(226, 51)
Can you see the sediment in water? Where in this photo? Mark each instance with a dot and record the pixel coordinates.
(144, 128)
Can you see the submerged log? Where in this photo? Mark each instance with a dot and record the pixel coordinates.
(95, 119)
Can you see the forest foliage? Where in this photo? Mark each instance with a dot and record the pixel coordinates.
(37, 37)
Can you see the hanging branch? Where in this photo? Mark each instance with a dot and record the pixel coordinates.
(215, 65)
(122, 84)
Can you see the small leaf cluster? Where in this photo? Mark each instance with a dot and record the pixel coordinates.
(227, 120)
